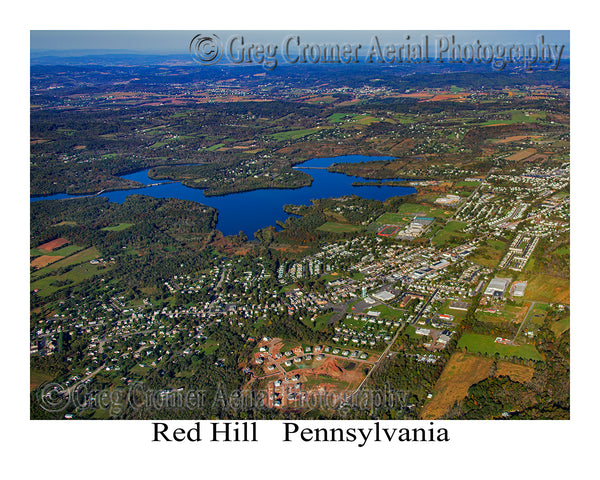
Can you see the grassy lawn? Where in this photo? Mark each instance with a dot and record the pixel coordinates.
(489, 253)
(393, 219)
(517, 116)
(561, 326)
(538, 314)
(547, 289)
(66, 251)
(68, 222)
(367, 120)
(322, 320)
(330, 277)
(36, 378)
(403, 119)
(342, 117)
(458, 314)
(335, 227)
(510, 313)
(61, 252)
(293, 134)
(427, 210)
(212, 148)
(209, 346)
(484, 344)
(77, 274)
(388, 313)
(450, 235)
(117, 228)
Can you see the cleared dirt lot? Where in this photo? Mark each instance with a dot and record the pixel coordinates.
(462, 371)
(53, 244)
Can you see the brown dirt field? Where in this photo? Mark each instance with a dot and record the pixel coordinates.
(53, 244)
(517, 373)
(522, 155)
(416, 95)
(331, 368)
(44, 260)
(537, 158)
(289, 248)
(519, 317)
(516, 138)
(461, 371)
(446, 97)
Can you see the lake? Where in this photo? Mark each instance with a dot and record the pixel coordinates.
(251, 211)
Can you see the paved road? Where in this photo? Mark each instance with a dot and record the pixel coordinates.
(524, 322)
(386, 351)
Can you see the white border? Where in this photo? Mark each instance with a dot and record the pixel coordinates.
(489, 449)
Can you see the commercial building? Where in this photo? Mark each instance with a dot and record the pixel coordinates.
(497, 287)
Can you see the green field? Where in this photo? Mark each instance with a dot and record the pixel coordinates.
(450, 235)
(538, 314)
(36, 378)
(483, 344)
(393, 219)
(335, 227)
(404, 119)
(341, 117)
(330, 277)
(517, 116)
(548, 289)
(561, 326)
(367, 120)
(65, 223)
(118, 228)
(212, 148)
(488, 253)
(293, 134)
(322, 320)
(48, 285)
(80, 257)
(61, 252)
(427, 210)
(458, 314)
(388, 313)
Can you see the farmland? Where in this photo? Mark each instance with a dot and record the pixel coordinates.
(82, 256)
(336, 227)
(423, 209)
(118, 228)
(65, 272)
(293, 134)
(484, 344)
(548, 289)
(462, 371)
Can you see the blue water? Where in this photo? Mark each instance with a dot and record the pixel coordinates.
(251, 211)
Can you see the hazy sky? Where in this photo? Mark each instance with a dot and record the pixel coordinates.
(177, 41)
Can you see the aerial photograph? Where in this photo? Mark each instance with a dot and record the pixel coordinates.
(299, 225)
